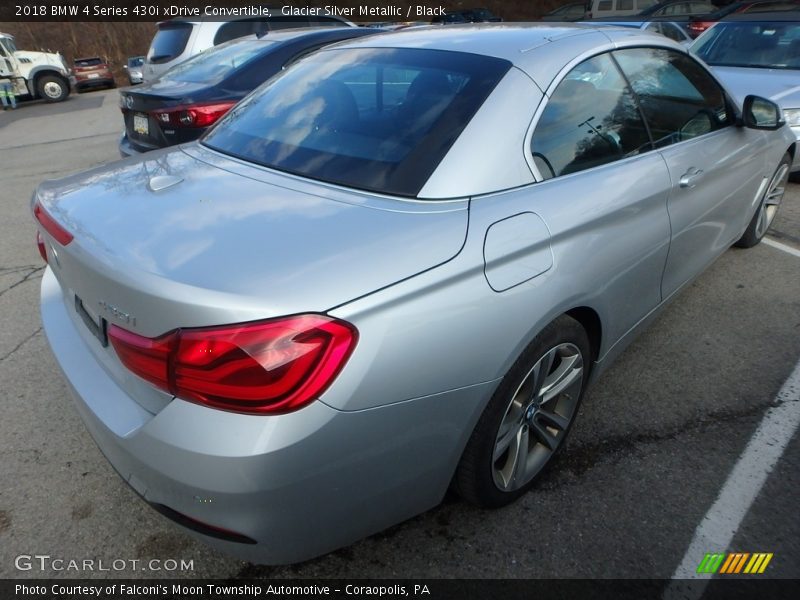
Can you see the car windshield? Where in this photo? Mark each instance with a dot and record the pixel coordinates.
(774, 45)
(136, 62)
(9, 44)
(378, 119)
(218, 62)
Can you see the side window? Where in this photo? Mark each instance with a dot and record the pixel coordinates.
(680, 100)
(655, 27)
(604, 5)
(642, 4)
(672, 32)
(590, 120)
(624, 4)
(702, 7)
(679, 8)
(232, 30)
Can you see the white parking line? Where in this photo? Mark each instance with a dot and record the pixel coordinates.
(721, 522)
(779, 246)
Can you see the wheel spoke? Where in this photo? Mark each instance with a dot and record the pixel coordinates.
(564, 376)
(761, 225)
(772, 200)
(508, 434)
(543, 436)
(541, 371)
(775, 197)
(520, 460)
(553, 420)
(525, 392)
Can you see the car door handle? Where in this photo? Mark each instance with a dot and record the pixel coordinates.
(690, 178)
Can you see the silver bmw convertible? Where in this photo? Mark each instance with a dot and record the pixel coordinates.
(392, 270)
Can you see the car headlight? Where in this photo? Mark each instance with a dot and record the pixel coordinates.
(792, 116)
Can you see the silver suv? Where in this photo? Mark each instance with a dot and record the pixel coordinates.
(179, 39)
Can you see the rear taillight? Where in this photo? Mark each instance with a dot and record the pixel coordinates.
(695, 28)
(148, 358)
(40, 245)
(90, 68)
(263, 367)
(195, 115)
(61, 235)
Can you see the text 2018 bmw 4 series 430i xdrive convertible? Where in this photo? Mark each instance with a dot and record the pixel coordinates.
(392, 269)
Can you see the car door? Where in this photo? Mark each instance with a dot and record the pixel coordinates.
(713, 164)
(602, 193)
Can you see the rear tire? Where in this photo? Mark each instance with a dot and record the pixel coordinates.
(768, 206)
(528, 418)
(52, 88)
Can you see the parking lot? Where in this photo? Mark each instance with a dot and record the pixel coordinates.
(656, 441)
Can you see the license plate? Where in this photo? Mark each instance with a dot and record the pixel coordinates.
(140, 124)
(96, 324)
(94, 75)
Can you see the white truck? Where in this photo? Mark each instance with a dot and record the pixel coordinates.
(34, 74)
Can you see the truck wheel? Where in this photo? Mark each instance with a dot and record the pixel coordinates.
(52, 88)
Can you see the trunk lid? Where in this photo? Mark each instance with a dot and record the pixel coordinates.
(187, 237)
(143, 126)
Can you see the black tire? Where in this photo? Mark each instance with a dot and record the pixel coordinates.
(767, 206)
(480, 475)
(52, 88)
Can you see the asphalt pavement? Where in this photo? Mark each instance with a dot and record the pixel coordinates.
(656, 440)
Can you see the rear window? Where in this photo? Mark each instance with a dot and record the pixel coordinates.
(216, 63)
(89, 62)
(169, 42)
(373, 119)
(237, 29)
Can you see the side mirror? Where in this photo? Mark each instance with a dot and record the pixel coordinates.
(760, 113)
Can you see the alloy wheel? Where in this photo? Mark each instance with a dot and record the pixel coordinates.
(537, 417)
(772, 200)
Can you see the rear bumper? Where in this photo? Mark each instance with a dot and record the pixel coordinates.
(299, 485)
(83, 84)
(126, 149)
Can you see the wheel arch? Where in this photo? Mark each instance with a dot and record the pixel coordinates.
(43, 72)
(586, 316)
(591, 323)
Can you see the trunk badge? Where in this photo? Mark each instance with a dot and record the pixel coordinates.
(162, 182)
